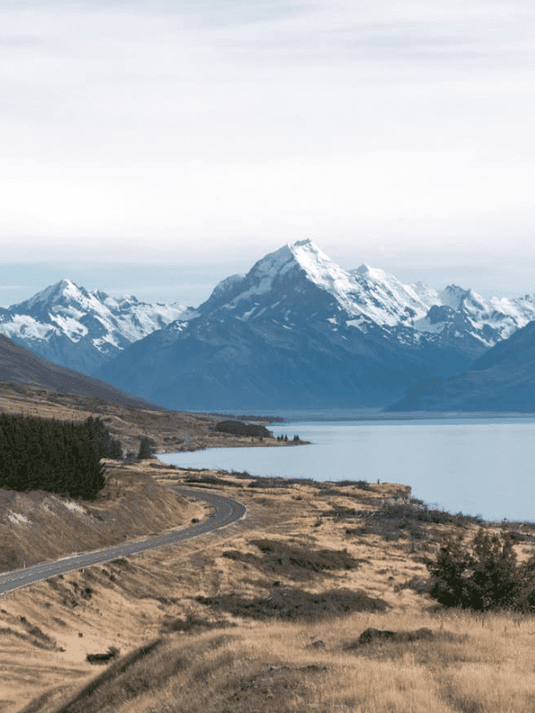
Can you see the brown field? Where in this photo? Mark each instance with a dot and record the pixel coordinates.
(263, 616)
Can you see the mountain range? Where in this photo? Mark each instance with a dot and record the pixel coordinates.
(297, 331)
(502, 380)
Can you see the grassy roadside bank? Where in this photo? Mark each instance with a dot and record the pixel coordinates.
(40, 526)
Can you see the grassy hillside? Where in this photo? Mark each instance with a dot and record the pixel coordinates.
(170, 430)
(266, 616)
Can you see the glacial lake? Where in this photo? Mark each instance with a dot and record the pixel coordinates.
(480, 467)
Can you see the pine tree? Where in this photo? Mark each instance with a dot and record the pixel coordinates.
(48, 455)
(146, 448)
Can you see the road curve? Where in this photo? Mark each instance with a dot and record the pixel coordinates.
(226, 511)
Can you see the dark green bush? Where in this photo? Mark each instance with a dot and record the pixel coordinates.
(238, 428)
(484, 575)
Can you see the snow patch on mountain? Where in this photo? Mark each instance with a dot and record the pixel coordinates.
(79, 329)
(25, 326)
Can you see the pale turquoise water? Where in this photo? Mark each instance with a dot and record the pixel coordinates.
(480, 467)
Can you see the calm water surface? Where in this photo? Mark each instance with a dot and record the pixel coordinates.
(480, 467)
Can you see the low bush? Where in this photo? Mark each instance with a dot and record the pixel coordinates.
(483, 575)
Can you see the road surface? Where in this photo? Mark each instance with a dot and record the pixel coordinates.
(226, 511)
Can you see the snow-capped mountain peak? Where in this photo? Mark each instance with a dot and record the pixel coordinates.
(63, 291)
(321, 270)
(65, 314)
(362, 297)
(300, 279)
(275, 281)
(453, 296)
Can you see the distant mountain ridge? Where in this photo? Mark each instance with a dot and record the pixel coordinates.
(373, 298)
(502, 380)
(81, 330)
(298, 331)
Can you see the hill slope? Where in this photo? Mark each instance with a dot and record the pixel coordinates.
(502, 380)
(20, 365)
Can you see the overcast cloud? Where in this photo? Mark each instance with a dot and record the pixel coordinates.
(400, 134)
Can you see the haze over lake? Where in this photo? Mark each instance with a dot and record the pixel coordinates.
(477, 466)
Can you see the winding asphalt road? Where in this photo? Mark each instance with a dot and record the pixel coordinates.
(226, 511)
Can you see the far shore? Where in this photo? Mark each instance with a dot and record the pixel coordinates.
(374, 415)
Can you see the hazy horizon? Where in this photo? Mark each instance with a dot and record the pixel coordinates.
(191, 284)
(195, 138)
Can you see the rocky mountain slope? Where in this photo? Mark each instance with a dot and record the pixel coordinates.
(298, 331)
(81, 330)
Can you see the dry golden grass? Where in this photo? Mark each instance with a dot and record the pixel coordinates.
(295, 667)
(233, 617)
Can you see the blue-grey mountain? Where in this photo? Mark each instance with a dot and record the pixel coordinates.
(21, 366)
(298, 331)
(502, 380)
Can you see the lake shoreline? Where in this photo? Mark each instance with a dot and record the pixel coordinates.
(477, 466)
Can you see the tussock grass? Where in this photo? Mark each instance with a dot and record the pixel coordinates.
(466, 667)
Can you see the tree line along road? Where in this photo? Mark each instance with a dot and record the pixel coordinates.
(226, 511)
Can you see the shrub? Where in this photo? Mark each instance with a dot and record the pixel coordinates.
(238, 428)
(483, 576)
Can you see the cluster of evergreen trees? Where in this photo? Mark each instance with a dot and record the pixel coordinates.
(56, 456)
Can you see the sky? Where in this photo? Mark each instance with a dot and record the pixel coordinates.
(154, 147)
